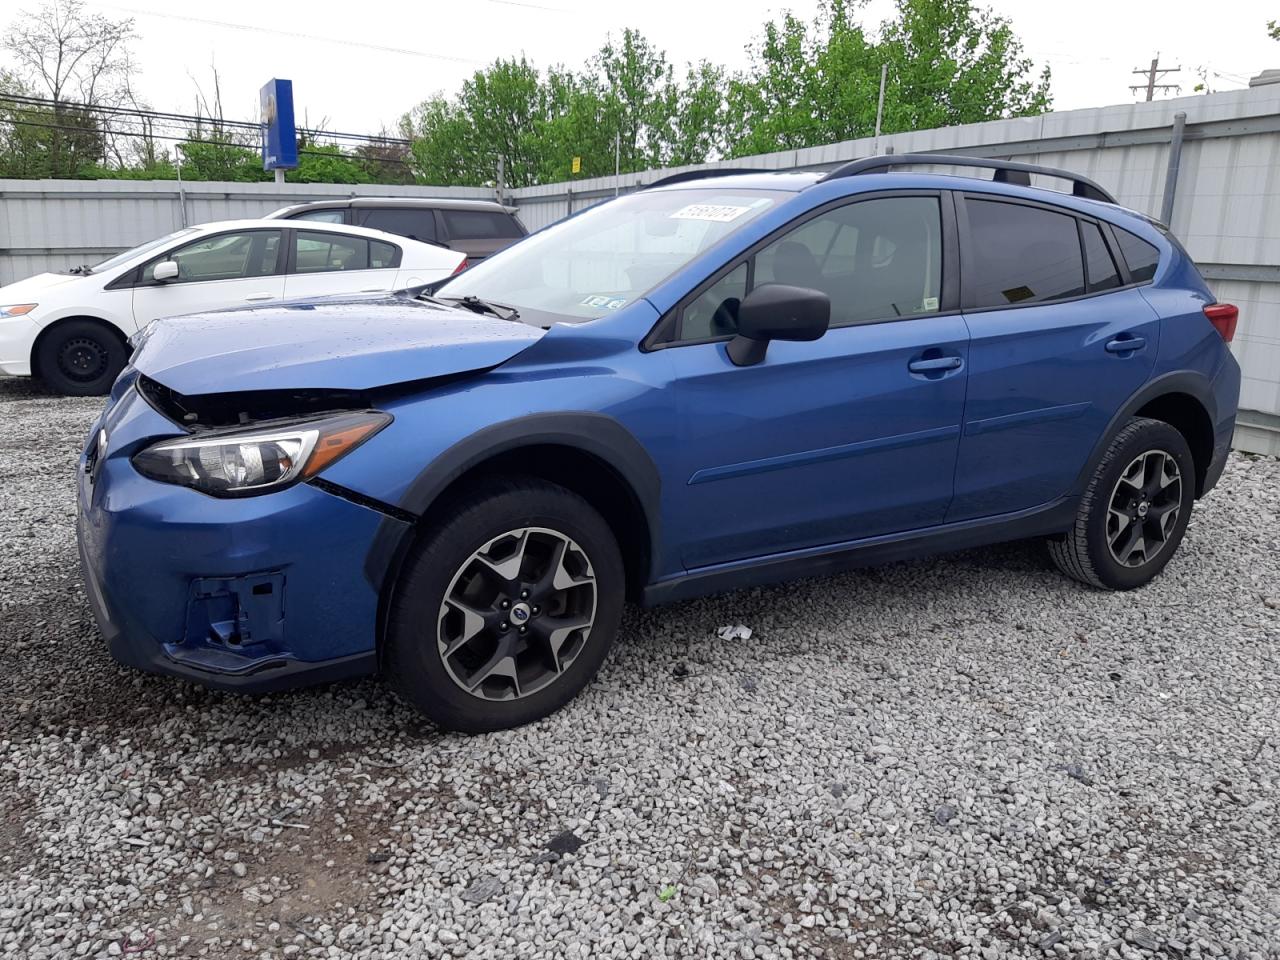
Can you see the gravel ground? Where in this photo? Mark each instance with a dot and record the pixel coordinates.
(968, 756)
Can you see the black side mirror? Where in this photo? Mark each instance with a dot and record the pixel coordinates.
(776, 311)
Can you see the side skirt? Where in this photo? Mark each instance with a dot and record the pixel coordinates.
(824, 561)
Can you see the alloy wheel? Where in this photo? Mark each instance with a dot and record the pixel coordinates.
(1143, 512)
(517, 613)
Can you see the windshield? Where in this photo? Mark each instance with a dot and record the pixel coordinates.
(121, 258)
(610, 255)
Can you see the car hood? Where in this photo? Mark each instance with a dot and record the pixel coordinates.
(30, 288)
(342, 343)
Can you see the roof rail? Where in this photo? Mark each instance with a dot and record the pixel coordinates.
(1006, 171)
(702, 174)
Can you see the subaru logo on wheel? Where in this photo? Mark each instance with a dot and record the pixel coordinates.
(520, 613)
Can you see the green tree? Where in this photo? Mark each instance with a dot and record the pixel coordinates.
(953, 63)
(808, 84)
(814, 83)
(1273, 29)
(78, 60)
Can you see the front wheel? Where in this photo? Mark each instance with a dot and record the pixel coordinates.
(80, 358)
(507, 609)
(1134, 511)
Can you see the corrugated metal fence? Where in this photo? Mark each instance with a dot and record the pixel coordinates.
(1226, 207)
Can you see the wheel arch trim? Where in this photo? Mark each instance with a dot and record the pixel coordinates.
(595, 434)
(1196, 385)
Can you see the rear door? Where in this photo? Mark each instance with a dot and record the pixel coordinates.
(234, 269)
(323, 263)
(1060, 338)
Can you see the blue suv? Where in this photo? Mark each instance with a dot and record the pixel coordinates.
(725, 379)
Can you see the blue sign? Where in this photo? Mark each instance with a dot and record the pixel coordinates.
(279, 136)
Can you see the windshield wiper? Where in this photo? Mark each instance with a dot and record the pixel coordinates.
(476, 305)
(81, 271)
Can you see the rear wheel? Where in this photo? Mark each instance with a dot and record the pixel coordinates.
(1135, 510)
(506, 610)
(80, 358)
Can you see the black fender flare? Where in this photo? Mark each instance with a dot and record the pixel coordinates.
(1195, 385)
(596, 434)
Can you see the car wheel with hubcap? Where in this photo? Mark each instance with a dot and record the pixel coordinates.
(1133, 512)
(506, 610)
(80, 358)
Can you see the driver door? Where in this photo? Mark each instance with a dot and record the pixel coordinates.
(850, 436)
(235, 269)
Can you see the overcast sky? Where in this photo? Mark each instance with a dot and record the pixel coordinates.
(357, 66)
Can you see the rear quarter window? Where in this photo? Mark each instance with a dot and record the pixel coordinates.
(1142, 257)
(322, 216)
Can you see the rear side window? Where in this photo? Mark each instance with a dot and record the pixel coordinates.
(331, 252)
(479, 225)
(414, 224)
(1141, 256)
(1103, 274)
(1021, 254)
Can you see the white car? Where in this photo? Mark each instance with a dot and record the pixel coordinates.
(71, 329)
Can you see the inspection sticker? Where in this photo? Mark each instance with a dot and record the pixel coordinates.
(596, 300)
(715, 212)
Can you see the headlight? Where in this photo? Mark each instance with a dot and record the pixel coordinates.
(238, 462)
(17, 310)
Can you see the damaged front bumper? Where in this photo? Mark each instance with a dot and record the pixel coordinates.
(253, 594)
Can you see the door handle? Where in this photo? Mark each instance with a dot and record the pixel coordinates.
(1126, 344)
(260, 296)
(934, 364)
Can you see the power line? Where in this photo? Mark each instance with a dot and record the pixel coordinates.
(171, 118)
(258, 28)
(1153, 73)
(162, 136)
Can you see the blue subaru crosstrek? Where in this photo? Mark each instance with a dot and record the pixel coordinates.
(718, 381)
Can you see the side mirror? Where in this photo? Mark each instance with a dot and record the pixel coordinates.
(165, 270)
(776, 311)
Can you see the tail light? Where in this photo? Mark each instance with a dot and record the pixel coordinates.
(1223, 316)
(461, 266)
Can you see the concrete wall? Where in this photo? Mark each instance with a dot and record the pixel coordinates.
(1226, 210)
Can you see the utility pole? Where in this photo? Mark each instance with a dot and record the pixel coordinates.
(1153, 73)
(884, 75)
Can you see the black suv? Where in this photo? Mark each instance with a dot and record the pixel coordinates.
(474, 227)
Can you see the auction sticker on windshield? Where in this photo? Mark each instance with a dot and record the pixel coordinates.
(598, 300)
(715, 212)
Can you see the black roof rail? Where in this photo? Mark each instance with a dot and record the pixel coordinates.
(1006, 171)
(702, 174)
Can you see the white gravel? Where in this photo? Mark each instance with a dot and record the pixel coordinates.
(968, 756)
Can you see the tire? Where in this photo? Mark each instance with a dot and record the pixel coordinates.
(1123, 535)
(80, 358)
(448, 625)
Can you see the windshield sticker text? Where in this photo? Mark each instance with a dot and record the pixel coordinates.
(714, 212)
(608, 303)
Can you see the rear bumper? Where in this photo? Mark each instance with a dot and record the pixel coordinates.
(1226, 390)
(253, 594)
